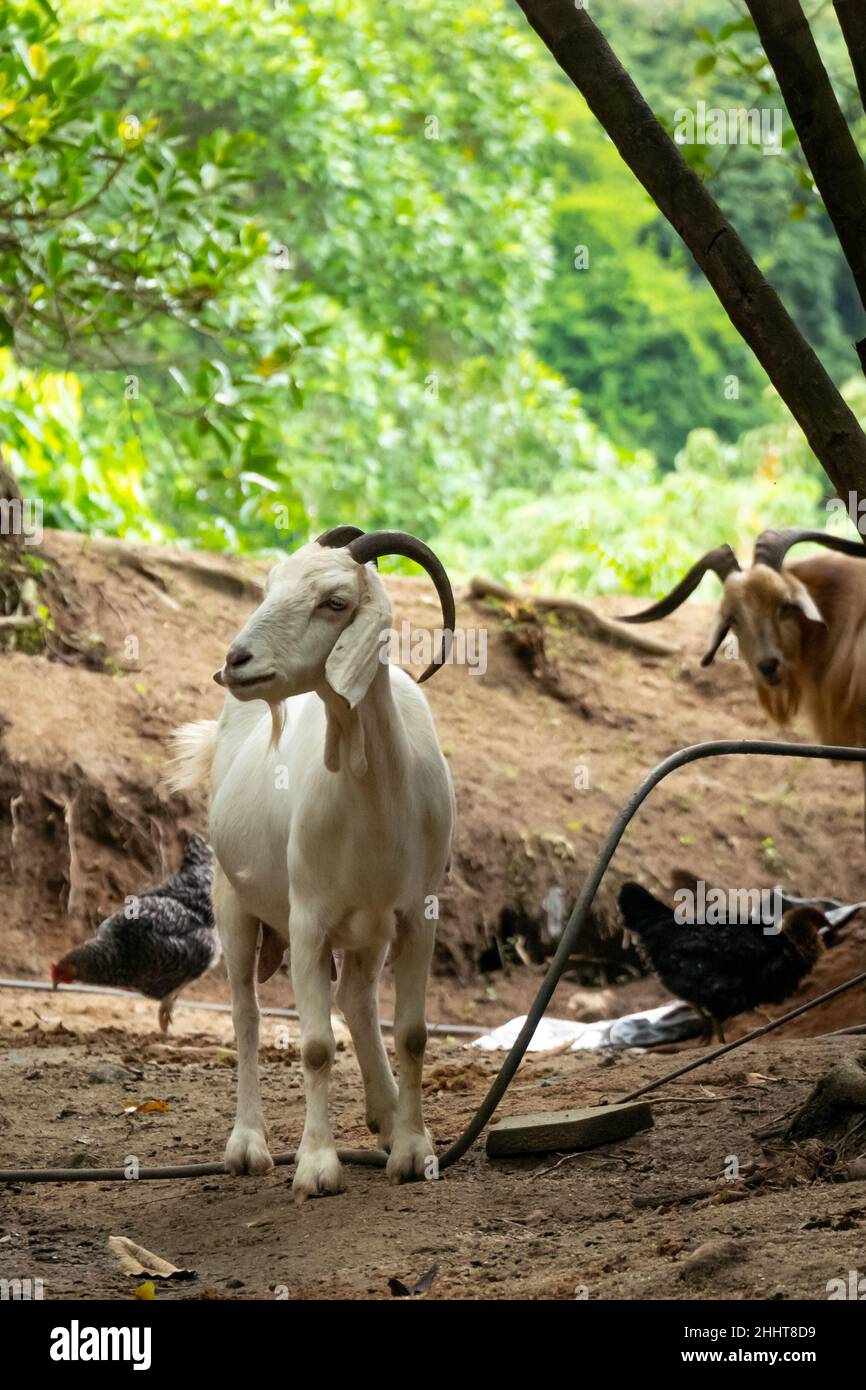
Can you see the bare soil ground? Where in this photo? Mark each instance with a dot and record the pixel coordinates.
(537, 1228)
(84, 820)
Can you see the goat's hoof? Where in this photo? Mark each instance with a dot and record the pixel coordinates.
(412, 1157)
(247, 1152)
(318, 1174)
(383, 1129)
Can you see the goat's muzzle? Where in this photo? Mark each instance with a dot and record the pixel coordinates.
(770, 670)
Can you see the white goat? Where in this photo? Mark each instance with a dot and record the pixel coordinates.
(331, 818)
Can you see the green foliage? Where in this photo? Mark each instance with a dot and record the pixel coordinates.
(82, 487)
(266, 267)
(649, 347)
(668, 47)
(396, 156)
(401, 178)
(623, 527)
(124, 251)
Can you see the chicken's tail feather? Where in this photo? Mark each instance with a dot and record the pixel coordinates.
(194, 746)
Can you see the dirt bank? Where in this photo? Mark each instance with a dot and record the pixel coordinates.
(131, 642)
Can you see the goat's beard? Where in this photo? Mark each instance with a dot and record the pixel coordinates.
(781, 701)
(278, 722)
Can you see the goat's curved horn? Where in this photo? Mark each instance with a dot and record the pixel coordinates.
(771, 547)
(338, 536)
(374, 544)
(722, 561)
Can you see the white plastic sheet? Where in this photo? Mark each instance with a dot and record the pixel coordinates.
(666, 1023)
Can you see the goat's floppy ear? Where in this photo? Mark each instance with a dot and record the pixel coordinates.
(802, 599)
(358, 652)
(721, 631)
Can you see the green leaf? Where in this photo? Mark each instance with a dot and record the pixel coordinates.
(37, 59)
(737, 26)
(54, 258)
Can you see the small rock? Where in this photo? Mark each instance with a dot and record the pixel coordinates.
(79, 1158)
(710, 1256)
(108, 1075)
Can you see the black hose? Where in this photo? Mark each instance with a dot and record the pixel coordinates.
(568, 940)
(365, 1158)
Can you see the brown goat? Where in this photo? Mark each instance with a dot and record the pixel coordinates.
(801, 629)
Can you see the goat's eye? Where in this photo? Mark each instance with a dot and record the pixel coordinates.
(335, 603)
(787, 610)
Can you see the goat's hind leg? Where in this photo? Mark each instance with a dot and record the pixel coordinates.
(247, 1148)
(356, 996)
(317, 1169)
(412, 1154)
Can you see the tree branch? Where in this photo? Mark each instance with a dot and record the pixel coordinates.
(828, 144)
(851, 15)
(752, 305)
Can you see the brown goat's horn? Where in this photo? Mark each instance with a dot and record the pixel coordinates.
(771, 547)
(374, 544)
(722, 561)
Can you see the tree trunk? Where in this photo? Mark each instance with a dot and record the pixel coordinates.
(751, 304)
(828, 144)
(851, 15)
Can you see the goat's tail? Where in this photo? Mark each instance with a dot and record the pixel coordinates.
(193, 746)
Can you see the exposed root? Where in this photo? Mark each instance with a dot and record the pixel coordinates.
(210, 570)
(584, 615)
(27, 612)
(75, 888)
(834, 1113)
(525, 634)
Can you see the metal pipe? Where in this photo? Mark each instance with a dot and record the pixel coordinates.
(469, 1030)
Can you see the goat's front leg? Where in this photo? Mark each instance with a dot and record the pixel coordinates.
(317, 1169)
(356, 996)
(412, 1154)
(247, 1148)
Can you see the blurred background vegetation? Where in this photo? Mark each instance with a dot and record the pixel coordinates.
(267, 266)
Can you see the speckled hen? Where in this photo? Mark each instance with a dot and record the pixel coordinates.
(160, 941)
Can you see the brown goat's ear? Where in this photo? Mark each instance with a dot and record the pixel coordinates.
(723, 627)
(802, 599)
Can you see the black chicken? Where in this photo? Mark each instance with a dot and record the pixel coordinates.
(163, 939)
(721, 970)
